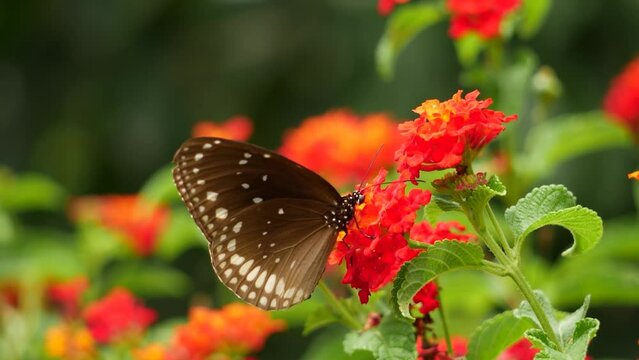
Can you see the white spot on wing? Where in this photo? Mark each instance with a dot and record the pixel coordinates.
(221, 213)
(263, 301)
(267, 155)
(280, 211)
(200, 182)
(211, 195)
(243, 162)
(260, 279)
(247, 155)
(251, 276)
(252, 295)
(237, 259)
(245, 268)
(228, 272)
(217, 142)
(198, 156)
(196, 170)
(274, 303)
(233, 281)
(270, 283)
(237, 227)
(264, 177)
(279, 290)
(243, 288)
(246, 186)
(257, 200)
(207, 146)
(231, 246)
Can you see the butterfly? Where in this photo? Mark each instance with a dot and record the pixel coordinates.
(270, 223)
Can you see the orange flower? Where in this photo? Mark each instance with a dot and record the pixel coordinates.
(68, 294)
(138, 220)
(235, 128)
(150, 352)
(634, 175)
(448, 134)
(340, 145)
(481, 16)
(236, 329)
(622, 99)
(118, 317)
(64, 341)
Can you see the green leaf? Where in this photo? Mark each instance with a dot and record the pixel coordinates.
(567, 325)
(442, 257)
(480, 197)
(533, 13)
(585, 330)
(468, 48)
(438, 205)
(393, 339)
(160, 187)
(555, 205)
(403, 25)
(525, 310)
(29, 192)
(320, 317)
(495, 335)
(552, 142)
(150, 280)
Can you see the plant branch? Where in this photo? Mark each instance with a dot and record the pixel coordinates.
(440, 309)
(339, 308)
(501, 237)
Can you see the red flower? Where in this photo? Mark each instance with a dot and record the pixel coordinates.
(448, 134)
(521, 350)
(460, 348)
(481, 16)
(387, 214)
(68, 294)
(237, 128)
(622, 99)
(425, 233)
(236, 329)
(427, 296)
(117, 317)
(385, 7)
(340, 145)
(138, 220)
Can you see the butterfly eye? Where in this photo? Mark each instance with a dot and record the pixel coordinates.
(360, 198)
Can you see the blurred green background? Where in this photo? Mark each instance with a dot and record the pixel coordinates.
(98, 95)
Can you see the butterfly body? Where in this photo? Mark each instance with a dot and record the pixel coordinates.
(270, 222)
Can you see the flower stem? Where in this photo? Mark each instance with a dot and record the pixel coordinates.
(339, 308)
(440, 309)
(501, 237)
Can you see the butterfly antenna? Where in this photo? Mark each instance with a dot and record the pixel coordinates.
(393, 182)
(370, 167)
(362, 231)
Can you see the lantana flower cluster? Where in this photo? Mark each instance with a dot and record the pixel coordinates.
(482, 17)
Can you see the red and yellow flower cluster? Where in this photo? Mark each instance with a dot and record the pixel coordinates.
(118, 318)
(232, 332)
(448, 134)
(483, 17)
(340, 145)
(375, 246)
(139, 221)
(622, 100)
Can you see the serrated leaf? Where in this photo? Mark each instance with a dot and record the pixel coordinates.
(585, 330)
(393, 339)
(554, 205)
(402, 26)
(495, 335)
(442, 257)
(438, 205)
(566, 326)
(525, 310)
(552, 142)
(318, 318)
(483, 193)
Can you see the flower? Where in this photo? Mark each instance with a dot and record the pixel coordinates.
(425, 233)
(634, 175)
(481, 16)
(237, 128)
(427, 296)
(459, 344)
(139, 221)
(448, 134)
(117, 317)
(622, 100)
(340, 145)
(376, 250)
(521, 350)
(236, 329)
(65, 341)
(385, 7)
(152, 351)
(68, 294)
(10, 293)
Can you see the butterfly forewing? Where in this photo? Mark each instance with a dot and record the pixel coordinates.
(263, 216)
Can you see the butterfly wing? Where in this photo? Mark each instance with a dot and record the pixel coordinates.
(262, 215)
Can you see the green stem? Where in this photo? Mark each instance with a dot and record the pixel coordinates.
(440, 309)
(339, 308)
(501, 237)
(417, 244)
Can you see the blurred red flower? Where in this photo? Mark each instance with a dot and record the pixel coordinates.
(68, 294)
(139, 221)
(385, 215)
(118, 317)
(634, 175)
(237, 128)
(340, 145)
(385, 7)
(481, 16)
(427, 298)
(459, 344)
(10, 294)
(450, 230)
(69, 342)
(522, 350)
(448, 134)
(622, 99)
(237, 329)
